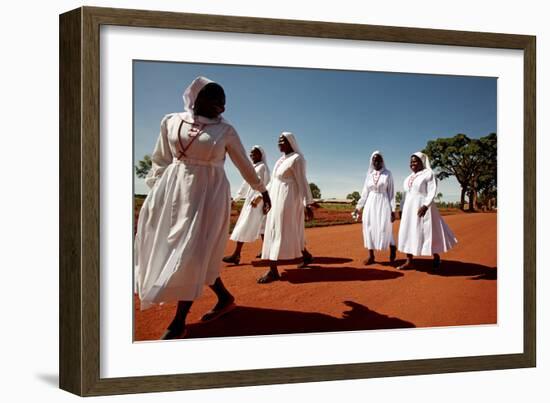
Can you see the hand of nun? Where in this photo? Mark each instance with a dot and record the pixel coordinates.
(422, 211)
(309, 213)
(255, 202)
(267, 202)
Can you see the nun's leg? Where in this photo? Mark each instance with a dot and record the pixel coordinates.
(437, 261)
(259, 255)
(235, 258)
(307, 259)
(408, 263)
(393, 253)
(370, 259)
(271, 275)
(225, 304)
(176, 329)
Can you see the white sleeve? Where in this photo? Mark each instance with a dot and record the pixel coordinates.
(432, 189)
(242, 191)
(403, 197)
(391, 191)
(162, 155)
(364, 194)
(262, 174)
(299, 170)
(238, 155)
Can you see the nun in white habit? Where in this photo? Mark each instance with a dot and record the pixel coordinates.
(183, 225)
(251, 222)
(291, 201)
(422, 231)
(377, 204)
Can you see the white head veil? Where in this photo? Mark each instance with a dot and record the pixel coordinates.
(371, 165)
(424, 158)
(190, 95)
(293, 142)
(264, 156)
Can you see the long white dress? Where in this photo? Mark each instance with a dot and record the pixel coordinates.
(251, 222)
(183, 225)
(423, 236)
(377, 201)
(289, 191)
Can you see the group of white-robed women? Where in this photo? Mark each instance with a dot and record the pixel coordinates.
(282, 229)
(183, 225)
(422, 231)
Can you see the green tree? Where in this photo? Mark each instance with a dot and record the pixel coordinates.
(315, 191)
(467, 160)
(144, 166)
(354, 197)
(487, 180)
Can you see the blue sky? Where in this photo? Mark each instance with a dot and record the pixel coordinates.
(339, 117)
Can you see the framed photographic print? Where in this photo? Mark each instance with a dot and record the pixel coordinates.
(250, 201)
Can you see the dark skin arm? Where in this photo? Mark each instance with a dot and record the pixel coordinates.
(422, 211)
(309, 211)
(255, 201)
(267, 202)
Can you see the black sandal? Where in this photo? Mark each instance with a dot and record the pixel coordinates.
(173, 333)
(269, 277)
(308, 259)
(369, 261)
(232, 259)
(215, 314)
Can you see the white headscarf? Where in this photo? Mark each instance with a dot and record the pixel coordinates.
(190, 96)
(293, 142)
(424, 158)
(371, 165)
(264, 157)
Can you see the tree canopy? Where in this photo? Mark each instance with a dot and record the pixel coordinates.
(471, 161)
(354, 197)
(143, 167)
(315, 191)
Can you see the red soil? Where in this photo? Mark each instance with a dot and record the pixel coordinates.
(338, 293)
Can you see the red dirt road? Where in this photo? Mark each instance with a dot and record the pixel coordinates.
(338, 293)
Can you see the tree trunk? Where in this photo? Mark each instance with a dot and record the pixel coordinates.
(462, 198)
(471, 199)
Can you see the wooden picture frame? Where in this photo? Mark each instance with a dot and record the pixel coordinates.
(80, 196)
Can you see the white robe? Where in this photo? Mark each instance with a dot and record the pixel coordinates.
(377, 201)
(290, 192)
(183, 225)
(251, 221)
(423, 236)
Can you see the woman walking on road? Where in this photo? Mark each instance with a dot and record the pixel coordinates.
(377, 204)
(183, 225)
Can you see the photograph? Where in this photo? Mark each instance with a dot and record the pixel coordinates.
(279, 200)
